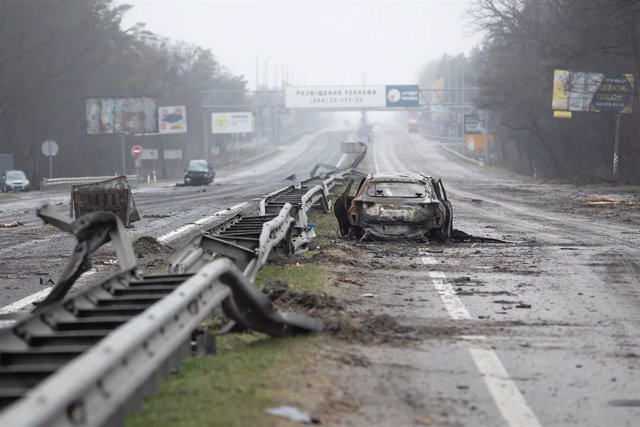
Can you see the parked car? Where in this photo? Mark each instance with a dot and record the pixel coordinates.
(198, 172)
(15, 180)
(395, 206)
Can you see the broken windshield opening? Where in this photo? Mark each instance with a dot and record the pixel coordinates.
(397, 189)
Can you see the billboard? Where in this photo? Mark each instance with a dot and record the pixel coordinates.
(172, 119)
(402, 96)
(224, 123)
(335, 97)
(593, 92)
(119, 116)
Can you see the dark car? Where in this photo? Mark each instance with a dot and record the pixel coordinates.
(14, 180)
(394, 206)
(198, 172)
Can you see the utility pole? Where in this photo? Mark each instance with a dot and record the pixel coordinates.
(487, 136)
(616, 146)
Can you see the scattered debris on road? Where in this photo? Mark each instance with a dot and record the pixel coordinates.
(11, 224)
(293, 414)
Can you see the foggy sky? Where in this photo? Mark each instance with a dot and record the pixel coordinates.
(315, 42)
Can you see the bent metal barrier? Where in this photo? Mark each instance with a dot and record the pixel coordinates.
(248, 240)
(85, 360)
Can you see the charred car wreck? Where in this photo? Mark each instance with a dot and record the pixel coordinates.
(396, 206)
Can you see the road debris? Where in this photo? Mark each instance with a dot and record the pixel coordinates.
(293, 414)
(155, 216)
(11, 224)
(369, 295)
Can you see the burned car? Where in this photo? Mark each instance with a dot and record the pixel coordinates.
(394, 206)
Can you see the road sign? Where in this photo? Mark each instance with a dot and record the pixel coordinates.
(471, 124)
(150, 154)
(49, 148)
(136, 151)
(399, 96)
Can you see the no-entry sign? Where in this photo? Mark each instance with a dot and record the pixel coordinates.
(136, 151)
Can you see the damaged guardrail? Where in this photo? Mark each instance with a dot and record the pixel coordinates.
(302, 199)
(248, 240)
(51, 185)
(83, 361)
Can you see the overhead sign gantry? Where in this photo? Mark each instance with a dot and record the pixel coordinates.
(353, 97)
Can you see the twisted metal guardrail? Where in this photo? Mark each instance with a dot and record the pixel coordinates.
(85, 360)
(81, 361)
(302, 199)
(248, 240)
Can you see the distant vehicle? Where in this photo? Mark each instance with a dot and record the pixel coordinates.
(395, 206)
(14, 180)
(412, 126)
(198, 172)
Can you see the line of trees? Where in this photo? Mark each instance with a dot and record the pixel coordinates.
(524, 41)
(56, 53)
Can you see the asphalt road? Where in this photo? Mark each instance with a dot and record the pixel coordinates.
(34, 253)
(546, 327)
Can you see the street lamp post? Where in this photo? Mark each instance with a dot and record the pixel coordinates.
(265, 72)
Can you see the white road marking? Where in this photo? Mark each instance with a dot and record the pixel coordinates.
(24, 302)
(508, 398)
(447, 293)
(173, 235)
(375, 159)
(28, 300)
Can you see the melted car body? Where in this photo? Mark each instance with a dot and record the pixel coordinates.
(394, 206)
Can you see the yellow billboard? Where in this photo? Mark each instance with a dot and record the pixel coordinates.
(592, 92)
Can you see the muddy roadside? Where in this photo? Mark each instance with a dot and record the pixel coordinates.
(375, 361)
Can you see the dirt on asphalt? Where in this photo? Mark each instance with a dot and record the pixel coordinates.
(380, 302)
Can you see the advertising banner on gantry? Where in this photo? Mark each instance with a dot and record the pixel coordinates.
(335, 97)
(402, 96)
(592, 92)
(352, 97)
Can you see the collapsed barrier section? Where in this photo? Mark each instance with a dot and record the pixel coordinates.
(302, 198)
(248, 240)
(84, 361)
(89, 359)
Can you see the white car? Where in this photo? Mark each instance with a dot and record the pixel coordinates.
(15, 180)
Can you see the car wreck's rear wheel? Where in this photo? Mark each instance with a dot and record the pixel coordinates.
(356, 232)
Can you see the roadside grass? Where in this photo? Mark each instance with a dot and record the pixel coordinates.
(252, 372)
(308, 278)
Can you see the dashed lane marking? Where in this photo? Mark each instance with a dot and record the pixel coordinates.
(28, 300)
(508, 398)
